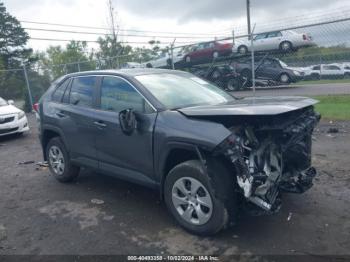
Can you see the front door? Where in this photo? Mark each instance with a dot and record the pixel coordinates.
(128, 156)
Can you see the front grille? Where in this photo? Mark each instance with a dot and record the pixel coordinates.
(4, 120)
(8, 130)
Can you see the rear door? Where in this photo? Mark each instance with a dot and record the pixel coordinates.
(129, 156)
(76, 115)
(273, 40)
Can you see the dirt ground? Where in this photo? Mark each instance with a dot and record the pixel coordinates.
(38, 215)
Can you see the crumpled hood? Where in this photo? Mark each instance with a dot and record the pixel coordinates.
(250, 106)
(10, 109)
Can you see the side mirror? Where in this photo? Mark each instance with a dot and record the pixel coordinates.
(10, 102)
(127, 121)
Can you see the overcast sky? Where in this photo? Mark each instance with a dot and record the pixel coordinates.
(217, 17)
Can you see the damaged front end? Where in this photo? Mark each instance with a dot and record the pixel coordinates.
(272, 155)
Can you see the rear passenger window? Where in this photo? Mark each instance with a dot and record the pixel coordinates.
(82, 90)
(58, 93)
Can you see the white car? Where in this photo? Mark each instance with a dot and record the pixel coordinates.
(12, 119)
(327, 71)
(164, 59)
(132, 65)
(284, 41)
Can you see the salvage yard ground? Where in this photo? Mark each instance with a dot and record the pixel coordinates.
(103, 215)
(335, 107)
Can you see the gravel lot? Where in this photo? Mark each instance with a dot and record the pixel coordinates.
(41, 216)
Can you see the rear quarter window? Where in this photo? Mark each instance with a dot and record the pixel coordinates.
(59, 91)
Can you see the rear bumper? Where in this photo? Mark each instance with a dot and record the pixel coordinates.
(16, 126)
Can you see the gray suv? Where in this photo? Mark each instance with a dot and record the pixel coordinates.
(208, 153)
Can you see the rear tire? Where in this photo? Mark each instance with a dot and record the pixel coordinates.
(59, 162)
(149, 65)
(213, 199)
(233, 85)
(315, 77)
(286, 46)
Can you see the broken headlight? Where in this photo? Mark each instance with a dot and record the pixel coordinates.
(231, 147)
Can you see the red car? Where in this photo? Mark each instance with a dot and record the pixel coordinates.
(207, 51)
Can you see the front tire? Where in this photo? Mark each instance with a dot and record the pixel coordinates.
(199, 198)
(59, 162)
(284, 78)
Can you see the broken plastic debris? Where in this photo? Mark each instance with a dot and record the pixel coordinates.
(26, 162)
(289, 216)
(42, 164)
(97, 201)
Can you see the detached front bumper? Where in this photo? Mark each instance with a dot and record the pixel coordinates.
(15, 126)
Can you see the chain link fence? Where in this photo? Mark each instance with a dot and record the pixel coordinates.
(315, 53)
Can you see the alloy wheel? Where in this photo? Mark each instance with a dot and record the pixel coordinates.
(192, 201)
(56, 160)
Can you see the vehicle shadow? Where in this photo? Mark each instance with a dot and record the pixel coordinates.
(11, 137)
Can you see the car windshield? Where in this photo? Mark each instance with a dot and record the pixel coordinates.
(3, 102)
(185, 90)
(283, 64)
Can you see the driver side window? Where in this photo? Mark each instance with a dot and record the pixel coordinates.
(118, 95)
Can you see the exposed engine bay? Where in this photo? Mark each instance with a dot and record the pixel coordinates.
(272, 156)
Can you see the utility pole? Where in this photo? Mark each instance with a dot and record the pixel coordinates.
(248, 19)
(28, 86)
(114, 34)
(111, 15)
(172, 54)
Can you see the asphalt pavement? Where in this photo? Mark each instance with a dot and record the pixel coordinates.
(100, 215)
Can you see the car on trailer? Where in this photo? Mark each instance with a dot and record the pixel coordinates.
(283, 41)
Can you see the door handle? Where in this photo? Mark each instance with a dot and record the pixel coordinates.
(100, 124)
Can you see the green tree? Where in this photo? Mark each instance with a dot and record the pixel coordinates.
(13, 53)
(112, 54)
(60, 61)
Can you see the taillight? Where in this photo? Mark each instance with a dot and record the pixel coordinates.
(36, 107)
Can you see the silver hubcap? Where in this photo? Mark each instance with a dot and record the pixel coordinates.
(192, 201)
(285, 46)
(188, 59)
(56, 160)
(215, 54)
(284, 78)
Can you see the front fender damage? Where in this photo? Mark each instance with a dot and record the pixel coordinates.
(271, 159)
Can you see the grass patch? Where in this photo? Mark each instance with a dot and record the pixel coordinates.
(335, 107)
(324, 81)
